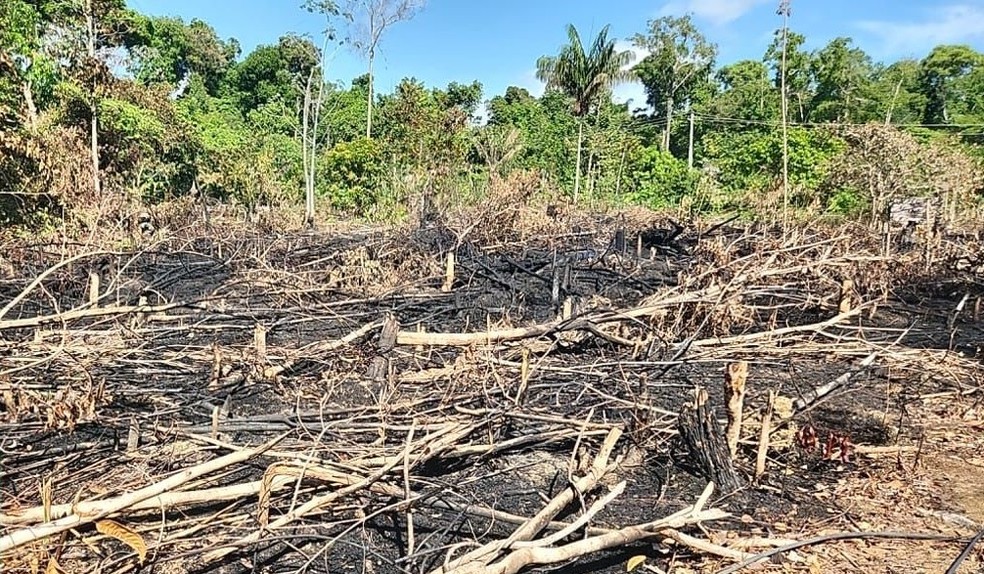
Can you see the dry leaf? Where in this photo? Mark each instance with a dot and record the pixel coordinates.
(634, 562)
(124, 535)
(53, 567)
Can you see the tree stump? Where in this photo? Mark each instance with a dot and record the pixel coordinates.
(735, 375)
(379, 368)
(706, 444)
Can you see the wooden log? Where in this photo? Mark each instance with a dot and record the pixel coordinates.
(708, 449)
(735, 375)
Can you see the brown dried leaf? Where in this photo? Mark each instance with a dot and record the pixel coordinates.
(124, 535)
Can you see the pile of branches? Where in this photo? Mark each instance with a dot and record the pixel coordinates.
(418, 399)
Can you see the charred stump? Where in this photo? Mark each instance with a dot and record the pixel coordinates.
(380, 366)
(707, 448)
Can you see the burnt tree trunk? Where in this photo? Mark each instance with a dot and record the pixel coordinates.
(380, 366)
(706, 444)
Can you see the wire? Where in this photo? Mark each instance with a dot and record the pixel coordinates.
(708, 118)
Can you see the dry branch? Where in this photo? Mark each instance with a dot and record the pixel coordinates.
(41, 531)
(482, 556)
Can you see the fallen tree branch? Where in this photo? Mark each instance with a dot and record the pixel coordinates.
(481, 556)
(41, 531)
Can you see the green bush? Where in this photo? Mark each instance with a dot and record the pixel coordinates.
(846, 202)
(753, 160)
(350, 174)
(658, 179)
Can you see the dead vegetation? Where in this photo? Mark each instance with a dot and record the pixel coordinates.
(218, 400)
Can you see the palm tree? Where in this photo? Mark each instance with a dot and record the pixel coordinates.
(585, 77)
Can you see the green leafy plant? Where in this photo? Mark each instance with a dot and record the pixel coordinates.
(351, 174)
(660, 180)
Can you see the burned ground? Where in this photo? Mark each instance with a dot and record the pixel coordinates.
(495, 396)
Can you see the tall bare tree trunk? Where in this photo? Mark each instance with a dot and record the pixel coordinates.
(784, 11)
(669, 117)
(32, 109)
(306, 154)
(93, 107)
(311, 119)
(891, 105)
(577, 169)
(372, 56)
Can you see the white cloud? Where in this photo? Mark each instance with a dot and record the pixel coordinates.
(529, 81)
(624, 92)
(633, 90)
(948, 25)
(717, 12)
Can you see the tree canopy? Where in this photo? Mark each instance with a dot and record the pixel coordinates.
(156, 106)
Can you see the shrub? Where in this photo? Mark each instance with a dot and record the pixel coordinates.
(658, 179)
(883, 162)
(351, 174)
(753, 160)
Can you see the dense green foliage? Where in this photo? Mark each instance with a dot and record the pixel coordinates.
(187, 109)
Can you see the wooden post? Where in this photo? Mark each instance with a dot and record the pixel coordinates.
(139, 318)
(260, 342)
(763, 445)
(93, 289)
(448, 274)
(735, 375)
(133, 435)
(524, 376)
(216, 378)
(708, 449)
(619, 241)
(846, 294)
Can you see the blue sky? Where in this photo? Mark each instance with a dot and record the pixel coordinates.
(498, 41)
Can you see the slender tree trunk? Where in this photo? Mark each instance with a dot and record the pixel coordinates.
(372, 56)
(785, 117)
(577, 169)
(306, 154)
(93, 105)
(891, 105)
(589, 187)
(690, 142)
(32, 109)
(669, 118)
(314, 139)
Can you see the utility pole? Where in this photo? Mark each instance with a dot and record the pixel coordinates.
(690, 144)
(784, 11)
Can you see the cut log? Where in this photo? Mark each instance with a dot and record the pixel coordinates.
(706, 445)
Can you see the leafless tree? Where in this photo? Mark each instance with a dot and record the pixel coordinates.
(368, 21)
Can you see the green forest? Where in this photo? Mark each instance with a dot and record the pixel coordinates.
(104, 109)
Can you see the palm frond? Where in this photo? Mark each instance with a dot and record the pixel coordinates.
(585, 76)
